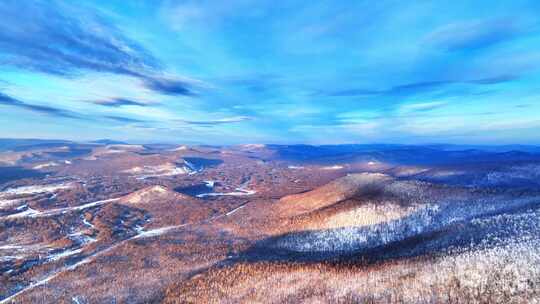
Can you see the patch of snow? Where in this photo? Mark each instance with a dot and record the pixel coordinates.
(10, 247)
(46, 165)
(234, 210)
(295, 167)
(63, 254)
(158, 231)
(34, 213)
(335, 167)
(8, 203)
(10, 257)
(161, 170)
(253, 146)
(125, 146)
(25, 248)
(139, 229)
(87, 223)
(191, 166)
(114, 151)
(35, 189)
(27, 213)
(86, 206)
(145, 194)
(180, 148)
(238, 192)
(81, 238)
(159, 189)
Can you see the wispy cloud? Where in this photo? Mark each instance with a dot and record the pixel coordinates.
(419, 87)
(422, 107)
(227, 120)
(119, 102)
(475, 34)
(51, 40)
(52, 111)
(254, 83)
(123, 119)
(169, 86)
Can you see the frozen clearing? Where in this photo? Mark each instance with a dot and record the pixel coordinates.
(46, 165)
(295, 167)
(155, 232)
(336, 167)
(161, 170)
(35, 213)
(238, 192)
(10, 247)
(36, 189)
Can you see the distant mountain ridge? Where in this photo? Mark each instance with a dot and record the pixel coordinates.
(412, 154)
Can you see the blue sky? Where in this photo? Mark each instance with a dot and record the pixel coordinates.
(242, 71)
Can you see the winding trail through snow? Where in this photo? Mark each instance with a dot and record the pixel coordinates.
(90, 258)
